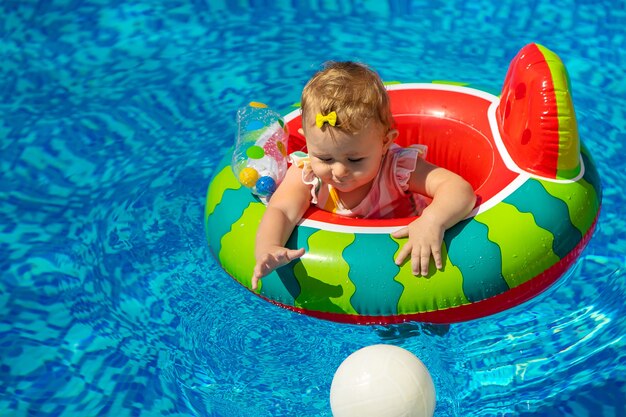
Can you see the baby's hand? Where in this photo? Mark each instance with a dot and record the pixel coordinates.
(425, 239)
(273, 258)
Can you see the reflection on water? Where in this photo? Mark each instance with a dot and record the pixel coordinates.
(405, 331)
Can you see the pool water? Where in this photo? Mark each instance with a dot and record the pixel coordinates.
(114, 115)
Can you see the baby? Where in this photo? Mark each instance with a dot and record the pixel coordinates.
(353, 168)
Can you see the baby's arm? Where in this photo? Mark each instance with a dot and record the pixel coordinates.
(286, 207)
(452, 200)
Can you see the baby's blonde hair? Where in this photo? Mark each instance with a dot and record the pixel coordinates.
(350, 89)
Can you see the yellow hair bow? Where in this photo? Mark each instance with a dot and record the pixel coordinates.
(330, 118)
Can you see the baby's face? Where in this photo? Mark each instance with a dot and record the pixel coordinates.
(347, 162)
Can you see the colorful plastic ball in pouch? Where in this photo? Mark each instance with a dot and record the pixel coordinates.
(265, 186)
(260, 157)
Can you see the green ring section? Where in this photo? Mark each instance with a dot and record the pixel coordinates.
(526, 248)
(371, 257)
(240, 262)
(478, 258)
(232, 204)
(283, 284)
(323, 274)
(438, 290)
(549, 212)
(222, 181)
(581, 201)
(591, 174)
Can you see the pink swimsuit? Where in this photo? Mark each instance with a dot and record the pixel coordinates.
(388, 197)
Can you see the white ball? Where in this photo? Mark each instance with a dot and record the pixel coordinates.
(382, 381)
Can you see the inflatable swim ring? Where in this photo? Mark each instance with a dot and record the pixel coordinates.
(538, 195)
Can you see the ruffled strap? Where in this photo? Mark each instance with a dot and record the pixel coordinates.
(303, 161)
(405, 162)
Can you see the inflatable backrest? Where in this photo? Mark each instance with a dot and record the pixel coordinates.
(451, 145)
(536, 115)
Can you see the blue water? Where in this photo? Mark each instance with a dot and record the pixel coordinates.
(113, 116)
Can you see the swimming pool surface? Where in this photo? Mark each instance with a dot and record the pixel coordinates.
(113, 117)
